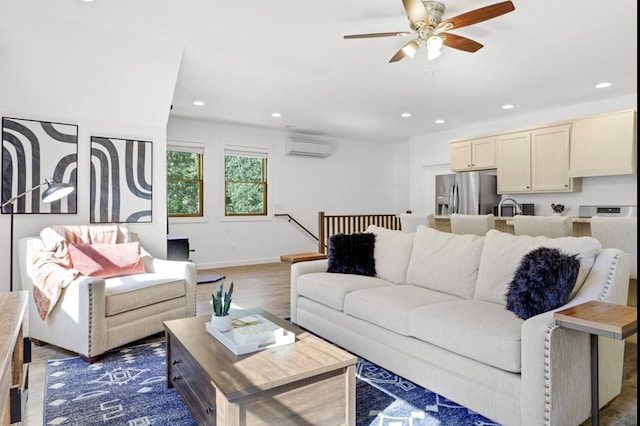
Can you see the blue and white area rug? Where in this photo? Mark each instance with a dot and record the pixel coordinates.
(385, 399)
(128, 387)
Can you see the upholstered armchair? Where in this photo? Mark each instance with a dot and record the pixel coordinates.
(122, 301)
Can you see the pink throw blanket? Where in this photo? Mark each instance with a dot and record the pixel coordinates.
(53, 269)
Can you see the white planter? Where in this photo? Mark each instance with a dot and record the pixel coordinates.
(221, 323)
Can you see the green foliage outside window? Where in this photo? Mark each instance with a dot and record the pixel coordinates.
(245, 185)
(184, 184)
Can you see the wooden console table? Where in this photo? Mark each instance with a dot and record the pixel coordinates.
(15, 355)
(599, 319)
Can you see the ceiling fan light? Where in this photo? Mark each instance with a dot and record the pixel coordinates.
(434, 43)
(432, 54)
(411, 48)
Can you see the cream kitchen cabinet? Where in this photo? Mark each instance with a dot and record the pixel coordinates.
(535, 161)
(604, 145)
(473, 154)
(514, 163)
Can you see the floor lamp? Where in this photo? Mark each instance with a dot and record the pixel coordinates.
(54, 191)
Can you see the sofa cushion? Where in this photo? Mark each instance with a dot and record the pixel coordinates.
(445, 262)
(503, 252)
(352, 254)
(330, 288)
(388, 307)
(135, 291)
(542, 282)
(107, 260)
(479, 330)
(392, 252)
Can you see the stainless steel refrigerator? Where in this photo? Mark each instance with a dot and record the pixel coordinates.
(466, 193)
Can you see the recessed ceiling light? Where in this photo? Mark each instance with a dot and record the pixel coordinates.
(405, 115)
(603, 85)
(276, 114)
(87, 1)
(440, 121)
(508, 106)
(198, 103)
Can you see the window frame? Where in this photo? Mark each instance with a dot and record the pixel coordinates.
(247, 151)
(175, 146)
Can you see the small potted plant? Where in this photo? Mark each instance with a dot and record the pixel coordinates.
(221, 301)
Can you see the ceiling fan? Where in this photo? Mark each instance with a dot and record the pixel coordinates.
(425, 18)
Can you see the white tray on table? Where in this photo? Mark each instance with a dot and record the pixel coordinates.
(227, 338)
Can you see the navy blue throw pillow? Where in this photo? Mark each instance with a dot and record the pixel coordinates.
(352, 254)
(543, 281)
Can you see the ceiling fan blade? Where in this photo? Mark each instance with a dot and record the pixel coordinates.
(397, 33)
(479, 15)
(416, 12)
(461, 43)
(399, 55)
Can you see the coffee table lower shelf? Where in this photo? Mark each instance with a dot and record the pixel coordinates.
(308, 382)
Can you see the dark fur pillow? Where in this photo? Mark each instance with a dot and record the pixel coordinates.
(352, 254)
(542, 282)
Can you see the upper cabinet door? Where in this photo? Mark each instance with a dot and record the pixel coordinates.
(604, 145)
(514, 163)
(473, 154)
(550, 160)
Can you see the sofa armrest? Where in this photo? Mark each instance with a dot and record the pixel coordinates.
(178, 269)
(556, 361)
(298, 269)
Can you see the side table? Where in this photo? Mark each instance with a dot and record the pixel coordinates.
(599, 319)
(302, 257)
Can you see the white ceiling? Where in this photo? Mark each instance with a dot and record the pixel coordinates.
(247, 59)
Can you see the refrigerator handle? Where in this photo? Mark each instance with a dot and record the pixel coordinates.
(451, 199)
(454, 198)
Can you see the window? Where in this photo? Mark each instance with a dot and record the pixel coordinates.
(184, 181)
(245, 183)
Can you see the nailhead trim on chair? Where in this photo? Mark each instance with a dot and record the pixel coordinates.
(90, 319)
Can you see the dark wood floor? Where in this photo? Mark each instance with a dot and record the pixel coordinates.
(267, 286)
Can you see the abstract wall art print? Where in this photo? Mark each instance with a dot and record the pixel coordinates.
(121, 176)
(33, 151)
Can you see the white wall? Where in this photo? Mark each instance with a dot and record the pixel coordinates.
(358, 177)
(105, 83)
(431, 151)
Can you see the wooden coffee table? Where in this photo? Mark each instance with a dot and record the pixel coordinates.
(309, 382)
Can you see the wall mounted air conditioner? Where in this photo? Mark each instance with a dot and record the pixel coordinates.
(307, 147)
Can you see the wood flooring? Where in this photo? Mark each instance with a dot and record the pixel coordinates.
(267, 286)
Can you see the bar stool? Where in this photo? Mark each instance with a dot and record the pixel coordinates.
(549, 226)
(620, 233)
(409, 222)
(477, 224)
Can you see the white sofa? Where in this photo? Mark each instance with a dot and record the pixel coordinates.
(435, 314)
(93, 315)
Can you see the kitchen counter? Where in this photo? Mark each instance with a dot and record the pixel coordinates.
(581, 226)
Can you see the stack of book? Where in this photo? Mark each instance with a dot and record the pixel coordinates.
(252, 329)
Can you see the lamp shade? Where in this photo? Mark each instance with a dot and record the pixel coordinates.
(56, 191)
(411, 48)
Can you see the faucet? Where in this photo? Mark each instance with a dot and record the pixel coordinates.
(518, 209)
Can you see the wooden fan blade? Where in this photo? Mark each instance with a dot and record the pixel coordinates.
(416, 12)
(399, 55)
(401, 33)
(461, 43)
(479, 15)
